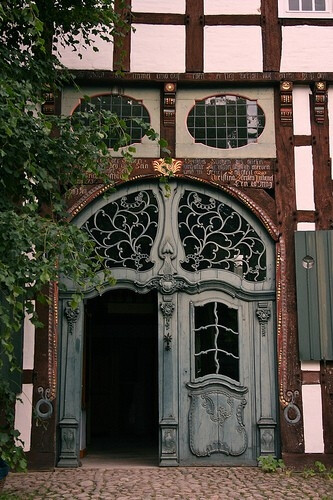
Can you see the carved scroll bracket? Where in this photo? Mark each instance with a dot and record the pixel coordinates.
(71, 316)
(263, 315)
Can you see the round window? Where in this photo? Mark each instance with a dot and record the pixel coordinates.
(226, 121)
(130, 111)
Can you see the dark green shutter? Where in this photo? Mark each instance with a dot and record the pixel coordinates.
(314, 284)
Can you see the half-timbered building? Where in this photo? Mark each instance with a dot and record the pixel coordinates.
(215, 346)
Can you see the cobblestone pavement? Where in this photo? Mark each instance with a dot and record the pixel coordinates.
(209, 483)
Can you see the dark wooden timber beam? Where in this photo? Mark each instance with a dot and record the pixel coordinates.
(105, 77)
(302, 140)
(271, 35)
(307, 22)
(321, 157)
(156, 18)
(289, 365)
(194, 36)
(122, 42)
(237, 20)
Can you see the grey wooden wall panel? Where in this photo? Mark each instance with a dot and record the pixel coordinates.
(314, 294)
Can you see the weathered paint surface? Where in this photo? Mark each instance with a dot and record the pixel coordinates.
(304, 178)
(166, 6)
(307, 48)
(28, 344)
(90, 59)
(232, 48)
(23, 415)
(301, 110)
(312, 416)
(232, 7)
(158, 48)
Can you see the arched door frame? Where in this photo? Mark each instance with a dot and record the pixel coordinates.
(167, 284)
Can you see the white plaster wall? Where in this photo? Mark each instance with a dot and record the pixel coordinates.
(232, 49)
(150, 99)
(312, 417)
(307, 48)
(166, 6)
(232, 7)
(330, 118)
(187, 148)
(28, 344)
(310, 366)
(304, 178)
(306, 226)
(103, 59)
(157, 48)
(23, 415)
(301, 110)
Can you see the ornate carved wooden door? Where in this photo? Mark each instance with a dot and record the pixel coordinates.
(212, 264)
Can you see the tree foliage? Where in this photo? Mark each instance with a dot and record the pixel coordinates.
(43, 157)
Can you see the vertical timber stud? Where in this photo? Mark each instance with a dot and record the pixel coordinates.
(324, 208)
(321, 157)
(43, 445)
(122, 42)
(271, 35)
(194, 19)
(289, 365)
(168, 116)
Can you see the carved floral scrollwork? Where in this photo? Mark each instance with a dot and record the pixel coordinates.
(71, 316)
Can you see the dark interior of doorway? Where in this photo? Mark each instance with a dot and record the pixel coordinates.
(120, 395)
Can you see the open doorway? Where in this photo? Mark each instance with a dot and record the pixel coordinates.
(120, 374)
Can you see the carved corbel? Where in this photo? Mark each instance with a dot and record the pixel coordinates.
(263, 315)
(286, 103)
(169, 104)
(319, 101)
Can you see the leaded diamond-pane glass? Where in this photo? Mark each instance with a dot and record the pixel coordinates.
(127, 109)
(229, 116)
(215, 236)
(124, 231)
(216, 340)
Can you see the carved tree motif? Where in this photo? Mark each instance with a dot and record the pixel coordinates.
(124, 231)
(214, 236)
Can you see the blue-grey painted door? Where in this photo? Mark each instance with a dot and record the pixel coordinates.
(217, 422)
(212, 264)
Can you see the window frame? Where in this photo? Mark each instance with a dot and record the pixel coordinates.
(284, 11)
